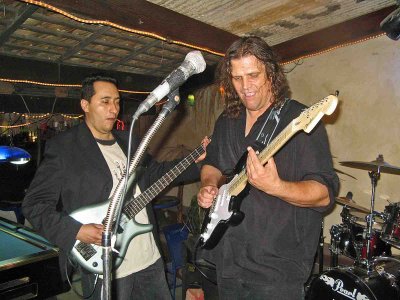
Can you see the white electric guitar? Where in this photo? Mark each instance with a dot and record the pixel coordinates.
(89, 255)
(225, 210)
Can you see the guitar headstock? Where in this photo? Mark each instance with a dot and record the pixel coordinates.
(310, 117)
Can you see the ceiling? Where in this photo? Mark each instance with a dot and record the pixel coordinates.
(277, 21)
(143, 41)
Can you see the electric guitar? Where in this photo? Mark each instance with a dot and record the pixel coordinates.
(89, 255)
(225, 210)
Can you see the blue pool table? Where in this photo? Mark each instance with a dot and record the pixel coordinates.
(28, 264)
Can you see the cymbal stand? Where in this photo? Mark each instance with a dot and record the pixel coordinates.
(374, 181)
(321, 249)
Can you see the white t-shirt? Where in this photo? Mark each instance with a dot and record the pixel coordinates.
(142, 251)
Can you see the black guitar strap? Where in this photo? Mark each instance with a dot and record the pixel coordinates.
(271, 123)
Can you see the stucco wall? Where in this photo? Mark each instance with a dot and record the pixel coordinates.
(366, 122)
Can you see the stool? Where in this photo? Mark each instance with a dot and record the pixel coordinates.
(175, 235)
(165, 203)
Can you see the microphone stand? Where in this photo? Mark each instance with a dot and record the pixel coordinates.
(115, 206)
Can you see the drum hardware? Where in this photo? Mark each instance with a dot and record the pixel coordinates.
(381, 269)
(391, 228)
(375, 168)
(366, 236)
(321, 249)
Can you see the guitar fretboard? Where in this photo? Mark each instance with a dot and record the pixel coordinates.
(137, 204)
(239, 182)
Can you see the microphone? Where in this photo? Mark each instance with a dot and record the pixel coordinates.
(193, 64)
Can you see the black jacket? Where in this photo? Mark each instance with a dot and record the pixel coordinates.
(74, 174)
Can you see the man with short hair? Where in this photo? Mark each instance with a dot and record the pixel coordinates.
(81, 167)
(270, 254)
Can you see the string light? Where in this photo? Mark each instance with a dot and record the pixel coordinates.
(60, 85)
(127, 29)
(333, 48)
(39, 83)
(36, 117)
(15, 126)
(72, 117)
(133, 92)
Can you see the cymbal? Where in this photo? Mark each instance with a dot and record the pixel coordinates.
(341, 172)
(349, 203)
(379, 163)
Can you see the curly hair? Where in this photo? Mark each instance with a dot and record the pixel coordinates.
(257, 47)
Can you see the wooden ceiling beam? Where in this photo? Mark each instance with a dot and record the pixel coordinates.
(20, 19)
(347, 32)
(145, 16)
(133, 54)
(82, 44)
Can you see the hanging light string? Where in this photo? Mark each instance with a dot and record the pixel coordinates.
(39, 83)
(124, 28)
(60, 85)
(333, 48)
(16, 126)
(34, 119)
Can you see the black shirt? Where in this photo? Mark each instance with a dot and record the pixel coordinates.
(277, 241)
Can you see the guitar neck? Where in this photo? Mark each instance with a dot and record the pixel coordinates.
(240, 181)
(137, 204)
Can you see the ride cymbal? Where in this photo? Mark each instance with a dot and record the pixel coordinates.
(350, 203)
(378, 164)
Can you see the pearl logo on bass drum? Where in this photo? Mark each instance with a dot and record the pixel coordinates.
(338, 286)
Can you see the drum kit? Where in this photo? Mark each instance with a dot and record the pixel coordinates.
(366, 237)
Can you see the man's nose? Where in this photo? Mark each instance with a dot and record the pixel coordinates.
(245, 83)
(114, 107)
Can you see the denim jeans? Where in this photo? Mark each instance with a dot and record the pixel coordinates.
(148, 284)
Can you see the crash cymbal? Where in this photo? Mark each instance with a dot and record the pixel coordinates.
(379, 163)
(350, 203)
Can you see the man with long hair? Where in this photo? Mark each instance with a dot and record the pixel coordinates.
(271, 253)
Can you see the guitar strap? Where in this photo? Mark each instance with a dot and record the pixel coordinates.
(271, 123)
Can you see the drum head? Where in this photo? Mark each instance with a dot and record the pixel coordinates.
(359, 218)
(343, 284)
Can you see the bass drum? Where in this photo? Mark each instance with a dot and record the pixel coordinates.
(344, 284)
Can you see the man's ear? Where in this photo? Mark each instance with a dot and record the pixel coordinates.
(85, 105)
